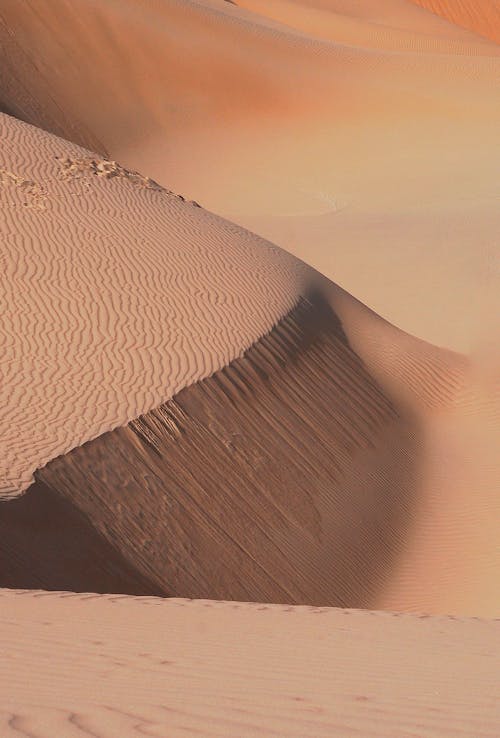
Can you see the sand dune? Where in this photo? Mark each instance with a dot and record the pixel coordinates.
(392, 24)
(371, 120)
(188, 410)
(168, 668)
(175, 381)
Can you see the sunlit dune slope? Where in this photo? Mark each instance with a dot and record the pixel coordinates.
(116, 293)
(207, 416)
(379, 117)
(182, 667)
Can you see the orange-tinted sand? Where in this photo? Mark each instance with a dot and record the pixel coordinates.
(361, 136)
(117, 295)
(480, 16)
(189, 410)
(121, 666)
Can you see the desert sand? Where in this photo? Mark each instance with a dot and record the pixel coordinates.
(360, 136)
(108, 666)
(256, 431)
(307, 419)
(480, 16)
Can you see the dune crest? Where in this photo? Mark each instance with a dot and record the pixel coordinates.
(140, 328)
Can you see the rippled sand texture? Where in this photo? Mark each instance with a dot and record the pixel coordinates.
(361, 136)
(145, 666)
(116, 294)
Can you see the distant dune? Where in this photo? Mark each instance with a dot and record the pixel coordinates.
(480, 16)
(361, 136)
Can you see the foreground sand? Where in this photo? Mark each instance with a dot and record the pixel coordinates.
(107, 666)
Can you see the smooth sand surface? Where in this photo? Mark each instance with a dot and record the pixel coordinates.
(108, 666)
(361, 136)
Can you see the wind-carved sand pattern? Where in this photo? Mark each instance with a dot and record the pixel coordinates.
(33, 194)
(287, 476)
(188, 411)
(117, 302)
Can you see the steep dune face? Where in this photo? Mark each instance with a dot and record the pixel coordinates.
(257, 670)
(188, 410)
(480, 16)
(377, 119)
(286, 477)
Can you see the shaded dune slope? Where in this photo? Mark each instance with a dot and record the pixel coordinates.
(288, 476)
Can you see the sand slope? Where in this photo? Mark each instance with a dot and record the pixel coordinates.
(186, 410)
(116, 295)
(480, 16)
(167, 668)
(289, 476)
(334, 129)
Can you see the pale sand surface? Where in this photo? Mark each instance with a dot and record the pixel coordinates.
(105, 666)
(360, 136)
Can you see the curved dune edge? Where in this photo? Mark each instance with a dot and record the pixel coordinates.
(480, 16)
(117, 295)
(287, 476)
(217, 668)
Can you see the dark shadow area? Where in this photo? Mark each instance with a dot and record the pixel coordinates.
(46, 543)
(287, 476)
